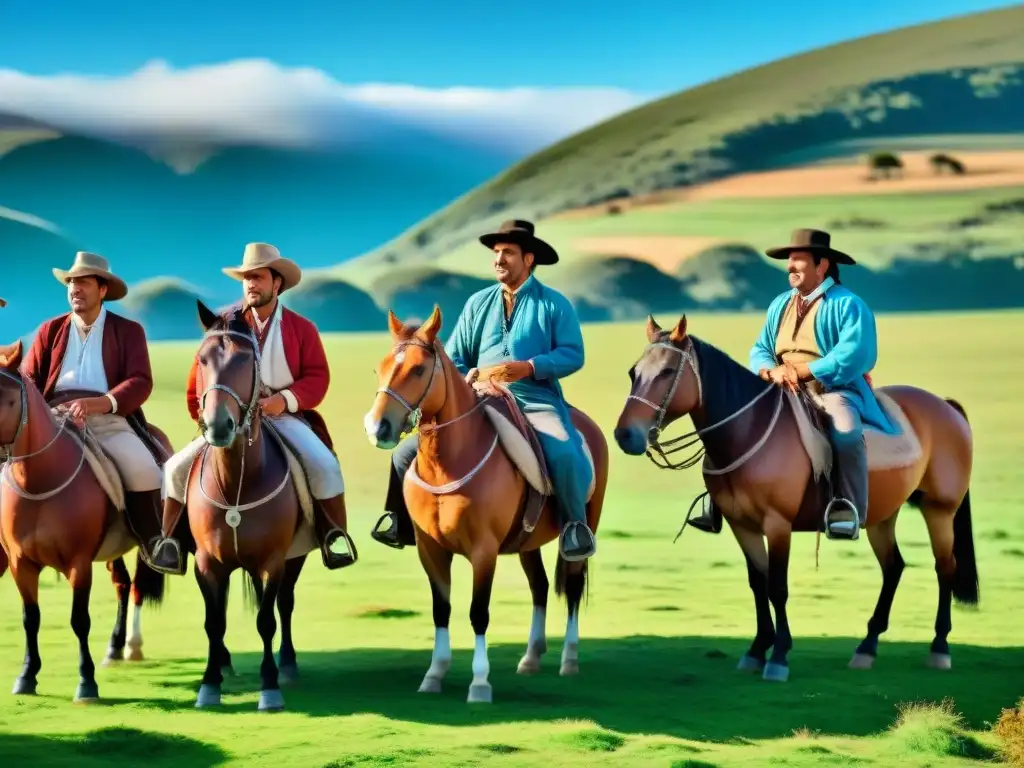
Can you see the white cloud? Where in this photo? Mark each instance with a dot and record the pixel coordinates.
(255, 101)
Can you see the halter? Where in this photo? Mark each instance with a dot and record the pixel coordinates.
(9, 458)
(686, 357)
(414, 412)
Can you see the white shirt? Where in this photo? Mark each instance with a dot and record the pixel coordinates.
(274, 371)
(82, 367)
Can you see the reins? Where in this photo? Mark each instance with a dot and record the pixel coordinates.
(415, 413)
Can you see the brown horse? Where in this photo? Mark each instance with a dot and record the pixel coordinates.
(465, 497)
(244, 507)
(54, 512)
(759, 472)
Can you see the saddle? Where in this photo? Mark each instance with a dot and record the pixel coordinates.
(519, 440)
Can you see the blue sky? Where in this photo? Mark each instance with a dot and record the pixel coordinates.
(656, 46)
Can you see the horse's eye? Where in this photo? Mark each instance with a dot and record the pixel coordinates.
(417, 370)
(665, 372)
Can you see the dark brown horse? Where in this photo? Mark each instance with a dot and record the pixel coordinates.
(243, 506)
(467, 497)
(760, 474)
(54, 512)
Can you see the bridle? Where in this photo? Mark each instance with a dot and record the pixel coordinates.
(687, 356)
(247, 411)
(9, 459)
(415, 413)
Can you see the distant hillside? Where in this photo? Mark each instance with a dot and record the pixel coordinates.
(961, 77)
(334, 305)
(165, 306)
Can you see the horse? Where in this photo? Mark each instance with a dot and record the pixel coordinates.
(248, 507)
(465, 497)
(763, 468)
(56, 511)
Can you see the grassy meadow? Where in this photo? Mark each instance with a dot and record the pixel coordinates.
(660, 635)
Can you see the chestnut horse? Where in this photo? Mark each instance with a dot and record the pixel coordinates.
(759, 474)
(469, 498)
(243, 507)
(54, 513)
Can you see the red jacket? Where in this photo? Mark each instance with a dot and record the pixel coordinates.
(125, 359)
(307, 361)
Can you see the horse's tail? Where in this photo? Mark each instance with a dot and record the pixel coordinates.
(965, 581)
(149, 585)
(572, 582)
(3, 562)
(252, 592)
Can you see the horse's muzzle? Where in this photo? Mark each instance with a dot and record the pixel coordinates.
(380, 432)
(631, 440)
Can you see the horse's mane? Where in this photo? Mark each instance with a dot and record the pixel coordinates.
(727, 385)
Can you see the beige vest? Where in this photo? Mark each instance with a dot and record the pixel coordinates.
(798, 345)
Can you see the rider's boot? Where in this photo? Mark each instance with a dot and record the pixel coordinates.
(846, 513)
(168, 556)
(327, 513)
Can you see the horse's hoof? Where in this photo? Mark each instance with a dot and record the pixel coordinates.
(24, 687)
(528, 665)
(133, 653)
(227, 671)
(113, 658)
(749, 664)
(862, 661)
(940, 661)
(776, 673)
(288, 673)
(479, 693)
(569, 667)
(271, 700)
(87, 693)
(430, 685)
(209, 696)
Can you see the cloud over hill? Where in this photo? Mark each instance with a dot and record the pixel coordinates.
(257, 102)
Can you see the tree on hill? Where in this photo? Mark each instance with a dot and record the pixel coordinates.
(943, 163)
(884, 165)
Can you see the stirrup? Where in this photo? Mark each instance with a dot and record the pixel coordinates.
(842, 529)
(157, 545)
(334, 560)
(565, 534)
(384, 537)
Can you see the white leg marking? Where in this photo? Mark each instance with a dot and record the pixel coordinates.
(439, 662)
(570, 650)
(537, 645)
(133, 644)
(480, 689)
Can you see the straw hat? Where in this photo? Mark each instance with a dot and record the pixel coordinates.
(264, 255)
(92, 264)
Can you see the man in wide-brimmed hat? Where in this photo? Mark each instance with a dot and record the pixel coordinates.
(295, 376)
(95, 365)
(525, 335)
(821, 335)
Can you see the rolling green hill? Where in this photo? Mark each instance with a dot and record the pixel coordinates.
(960, 78)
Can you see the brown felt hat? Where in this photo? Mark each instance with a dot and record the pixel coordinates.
(812, 240)
(520, 232)
(93, 265)
(3, 303)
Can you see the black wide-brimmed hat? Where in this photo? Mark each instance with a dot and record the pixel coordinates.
(520, 232)
(813, 240)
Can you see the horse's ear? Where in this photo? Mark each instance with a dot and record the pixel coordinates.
(207, 317)
(679, 332)
(428, 331)
(10, 356)
(653, 329)
(394, 325)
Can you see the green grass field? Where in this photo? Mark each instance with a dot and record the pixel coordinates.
(660, 635)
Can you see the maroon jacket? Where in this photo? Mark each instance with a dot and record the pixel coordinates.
(125, 359)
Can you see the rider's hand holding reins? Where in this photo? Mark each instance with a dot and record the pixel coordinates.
(274, 405)
(507, 373)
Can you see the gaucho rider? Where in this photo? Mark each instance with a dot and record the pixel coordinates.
(821, 335)
(525, 335)
(295, 376)
(95, 365)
